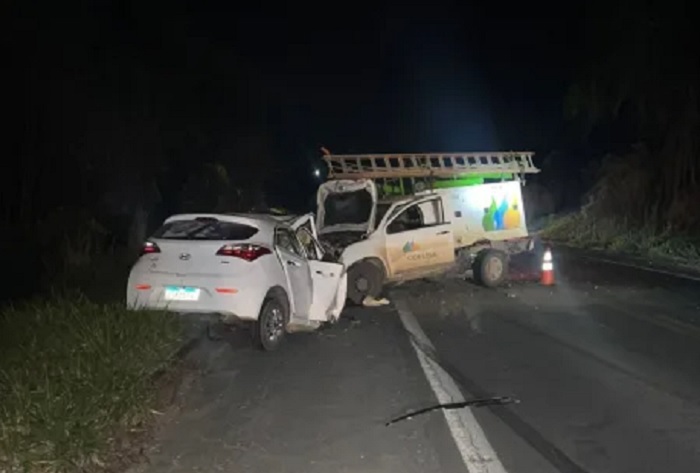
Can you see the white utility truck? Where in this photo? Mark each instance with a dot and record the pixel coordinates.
(396, 217)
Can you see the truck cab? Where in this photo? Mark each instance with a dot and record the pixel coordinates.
(383, 242)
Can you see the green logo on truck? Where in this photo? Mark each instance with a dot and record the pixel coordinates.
(501, 217)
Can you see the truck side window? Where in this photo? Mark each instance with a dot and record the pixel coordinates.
(432, 212)
(409, 219)
(417, 216)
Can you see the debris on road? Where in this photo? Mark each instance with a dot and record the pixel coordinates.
(481, 402)
(370, 301)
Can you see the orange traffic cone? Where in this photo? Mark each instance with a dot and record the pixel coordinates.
(547, 278)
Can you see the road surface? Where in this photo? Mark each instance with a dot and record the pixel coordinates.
(606, 366)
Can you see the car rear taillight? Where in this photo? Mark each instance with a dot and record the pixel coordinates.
(246, 252)
(149, 248)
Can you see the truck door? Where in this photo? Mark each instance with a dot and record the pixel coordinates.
(418, 239)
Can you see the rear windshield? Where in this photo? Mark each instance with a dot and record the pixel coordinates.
(204, 229)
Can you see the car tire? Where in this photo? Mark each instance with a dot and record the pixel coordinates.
(364, 279)
(270, 328)
(491, 268)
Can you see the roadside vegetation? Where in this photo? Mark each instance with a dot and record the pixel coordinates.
(645, 196)
(75, 377)
(584, 231)
(625, 212)
(79, 195)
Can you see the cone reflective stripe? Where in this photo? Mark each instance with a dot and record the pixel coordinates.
(547, 268)
(547, 264)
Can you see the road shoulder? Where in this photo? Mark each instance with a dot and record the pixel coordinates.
(667, 266)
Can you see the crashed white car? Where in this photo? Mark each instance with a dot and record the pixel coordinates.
(265, 269)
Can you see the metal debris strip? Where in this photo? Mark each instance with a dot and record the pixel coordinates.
(489, 401)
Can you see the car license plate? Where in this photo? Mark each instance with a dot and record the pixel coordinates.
(179, 293)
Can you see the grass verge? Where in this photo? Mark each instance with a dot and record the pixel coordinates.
(74, 376)
(584, 231)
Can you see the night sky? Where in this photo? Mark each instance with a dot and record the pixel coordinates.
(384, 77)
(399, 78)
(396, 78)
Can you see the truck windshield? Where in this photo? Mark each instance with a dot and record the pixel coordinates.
(382, 209)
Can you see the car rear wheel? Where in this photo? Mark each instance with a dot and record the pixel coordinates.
(270, 328)
(364, 279)
(491, 268)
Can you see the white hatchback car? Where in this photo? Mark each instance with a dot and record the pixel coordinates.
(264, 269)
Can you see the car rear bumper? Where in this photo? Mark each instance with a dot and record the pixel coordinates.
(232, 298)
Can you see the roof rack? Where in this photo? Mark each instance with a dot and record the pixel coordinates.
(438, 165)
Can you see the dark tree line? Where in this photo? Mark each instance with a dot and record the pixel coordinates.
(119, 120)
(637, 100)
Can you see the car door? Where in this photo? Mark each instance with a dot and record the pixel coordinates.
(329, 281)
(329, 291)
(297, 271)
(418, 239)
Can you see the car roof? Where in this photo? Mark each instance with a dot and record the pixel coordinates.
(265, 223)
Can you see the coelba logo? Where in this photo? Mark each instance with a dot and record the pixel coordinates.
(501, 217)
(410, 246)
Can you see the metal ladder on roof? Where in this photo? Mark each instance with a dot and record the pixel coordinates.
(431, 165)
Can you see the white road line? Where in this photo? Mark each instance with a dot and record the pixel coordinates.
(643, 268)
(476, 451)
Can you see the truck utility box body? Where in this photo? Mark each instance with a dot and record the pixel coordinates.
(484, 211)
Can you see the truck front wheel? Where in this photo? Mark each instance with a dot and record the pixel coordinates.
(364, 279)
(491, 268)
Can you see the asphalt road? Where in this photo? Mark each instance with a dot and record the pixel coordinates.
(606, 366)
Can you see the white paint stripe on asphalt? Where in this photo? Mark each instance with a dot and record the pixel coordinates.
(643, 268)
(473, 446)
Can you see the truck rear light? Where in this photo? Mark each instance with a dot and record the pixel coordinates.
(149, 248)
(247, 252)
